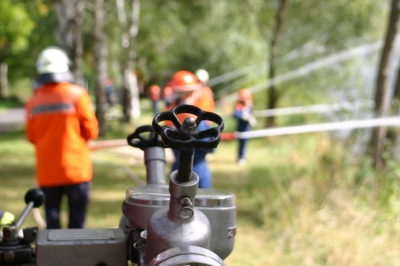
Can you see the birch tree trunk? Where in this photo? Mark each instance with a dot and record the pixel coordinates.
(376, 145)
(3, 80)
(68, 33)
(272, 95)
(100, 58)
(130, 94)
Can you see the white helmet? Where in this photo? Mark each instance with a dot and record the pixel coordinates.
(202, 75)
(52, 60)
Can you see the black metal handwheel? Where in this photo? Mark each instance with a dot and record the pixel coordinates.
(185, 136)
(144, 137)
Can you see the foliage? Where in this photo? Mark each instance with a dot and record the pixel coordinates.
(326, 28)
(15, 28)
(22, 64)
(220, 36)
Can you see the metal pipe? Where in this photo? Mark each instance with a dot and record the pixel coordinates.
(24, 214)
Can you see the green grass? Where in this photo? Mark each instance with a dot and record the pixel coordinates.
(10, 103)
(301, 200)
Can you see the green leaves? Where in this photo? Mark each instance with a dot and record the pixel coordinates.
(15, 26)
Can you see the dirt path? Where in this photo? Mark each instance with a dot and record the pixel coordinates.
(11, 118)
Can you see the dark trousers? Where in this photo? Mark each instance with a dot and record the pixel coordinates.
(242, 148)
(199, 167)
(155, 107)
(78, 199)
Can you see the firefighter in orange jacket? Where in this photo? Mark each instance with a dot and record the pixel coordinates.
(187, 90)
(60, 121)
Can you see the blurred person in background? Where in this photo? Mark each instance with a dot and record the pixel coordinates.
(186, 89)
(155, 95)
(59, 122)
(243, 114)
(167, 95)
(206, 100)
(110, 95)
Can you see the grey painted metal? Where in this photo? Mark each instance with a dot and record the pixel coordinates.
(186, 256)
(156, 196)
(166, 229)
(154, 159)
(219, 207)
(223, 229)
(64, 247)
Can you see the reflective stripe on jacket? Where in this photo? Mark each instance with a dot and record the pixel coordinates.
(59, 122)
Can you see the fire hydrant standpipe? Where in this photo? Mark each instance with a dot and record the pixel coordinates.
(180, 224)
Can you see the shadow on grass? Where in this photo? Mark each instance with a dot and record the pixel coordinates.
(17, 134)
(12, 102)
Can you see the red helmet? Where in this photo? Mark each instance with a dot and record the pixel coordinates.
(184, 81)
(245, 94)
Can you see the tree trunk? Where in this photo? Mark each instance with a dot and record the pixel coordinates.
(100, 58)
(3, 80)
(272, 94)
(392, 132)
(68, 33)
(130, 94)
(130, 101)
(376, 145)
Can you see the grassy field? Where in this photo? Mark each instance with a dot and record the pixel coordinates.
(13, 103)
(302, 200)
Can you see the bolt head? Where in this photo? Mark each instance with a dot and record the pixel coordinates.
(9, 256)
(186, 212)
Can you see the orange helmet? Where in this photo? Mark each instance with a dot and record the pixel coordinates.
(184, 81)
(154, 89)
(245, 94)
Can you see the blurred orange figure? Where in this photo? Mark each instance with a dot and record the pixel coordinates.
(206, 101)
(187, 89)
(167, 95)
(155, 95)
(59, 123)
(244, 116)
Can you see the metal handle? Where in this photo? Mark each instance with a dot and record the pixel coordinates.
(138, 140)
(34, 198)
(181, 139)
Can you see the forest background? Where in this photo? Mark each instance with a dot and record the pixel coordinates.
(320, 199)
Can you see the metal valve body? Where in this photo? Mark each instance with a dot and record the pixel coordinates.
(180, 224)
(182, 216)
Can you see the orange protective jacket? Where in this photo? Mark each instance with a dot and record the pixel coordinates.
(155, 93)
(59, 122)
(206, 101)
